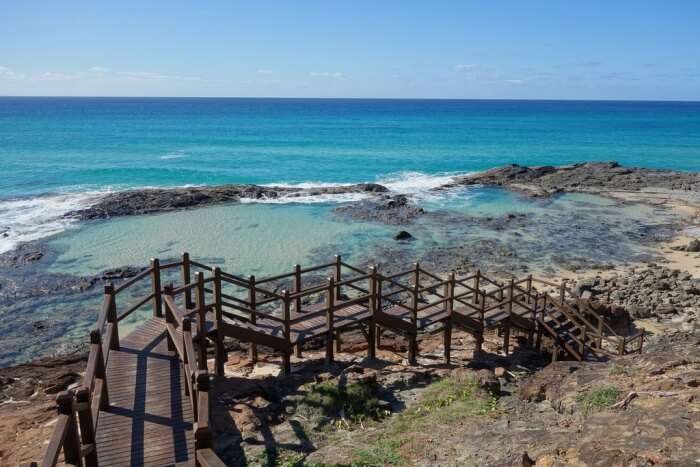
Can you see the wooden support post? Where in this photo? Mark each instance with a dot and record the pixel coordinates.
(169, 318)
(185, 275)
(371, 339)
(337, 277)
(71, 443)
(203, 435)
(110, 296)
(582, 342)
(506, 330)
(599, 342)
(100, 371)
(413, 335)
(297, 288)
(506, 338)
(448, 293)
(621, 346)
(186, 334)
(477, 280)
(378, 308)
(155, 288)
(562, 292)
(221, 356)
(330, 302)
(252, 298)
(87, 431)
(338, 342)
(529, 289)
(286, 305)
(201, 321)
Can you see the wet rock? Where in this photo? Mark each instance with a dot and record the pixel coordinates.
(393, 210)
(403, 235)
(149, 201)
(588, 177)
(692, 247)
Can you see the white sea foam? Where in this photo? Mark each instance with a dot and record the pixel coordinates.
(27, 219)
(173, 155)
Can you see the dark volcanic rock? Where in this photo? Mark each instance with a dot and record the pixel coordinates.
(394, 210)
(149, 201)
(403, 235)
(588, 177)
(692, 247)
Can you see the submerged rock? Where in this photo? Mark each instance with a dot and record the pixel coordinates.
(403, 235)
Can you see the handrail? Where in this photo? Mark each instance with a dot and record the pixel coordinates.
(133, 280)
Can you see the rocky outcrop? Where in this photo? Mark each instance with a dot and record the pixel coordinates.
(583, 177)
(393, 210)
(651, 292)
(149, 201)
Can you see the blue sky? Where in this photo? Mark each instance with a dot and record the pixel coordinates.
(443, 49)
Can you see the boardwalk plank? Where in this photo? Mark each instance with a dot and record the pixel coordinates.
(149, 420)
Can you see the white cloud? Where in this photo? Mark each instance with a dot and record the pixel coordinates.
(263, 71)
(98, 69)
(152, 76)
(513, 81)
(464, 67)
(327, 74)
(6, 73)
(51, 76)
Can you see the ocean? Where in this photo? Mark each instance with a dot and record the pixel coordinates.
(59, 154)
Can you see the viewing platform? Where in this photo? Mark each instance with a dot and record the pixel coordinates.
(144, 398)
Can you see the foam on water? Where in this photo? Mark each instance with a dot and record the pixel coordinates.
(23, 220)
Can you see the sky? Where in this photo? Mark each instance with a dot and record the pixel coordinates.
(535, 49)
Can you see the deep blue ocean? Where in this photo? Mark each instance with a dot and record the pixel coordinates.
(60, 154)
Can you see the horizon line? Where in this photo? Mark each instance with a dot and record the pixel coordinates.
(356, 98)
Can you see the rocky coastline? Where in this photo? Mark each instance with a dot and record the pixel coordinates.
(539, 413)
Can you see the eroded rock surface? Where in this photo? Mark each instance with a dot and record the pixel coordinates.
(583, 177)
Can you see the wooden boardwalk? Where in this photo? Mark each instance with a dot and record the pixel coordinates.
(144, 399)
(147, 422)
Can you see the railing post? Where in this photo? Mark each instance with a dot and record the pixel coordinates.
(203, 435)
(338, 272)
(155, 286)
(201, 321)
(252, 296)
(112, 317)
(413, 337)
(286, 305)
(297, 287)
(71, 444)
(477, 280)
(169, 318)
(378, 307)
(87, 431)
(371, 327)
(330, 302)
(448, 292)
(185, 275)
(186, 333)
(221, 356)
(100, 368)
(562, 292)
(529, 289)
(621, 346)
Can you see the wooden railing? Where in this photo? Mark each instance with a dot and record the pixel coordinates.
(222, 297)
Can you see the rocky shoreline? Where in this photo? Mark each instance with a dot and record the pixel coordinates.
(589, 177)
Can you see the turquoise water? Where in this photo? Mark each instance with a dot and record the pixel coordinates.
(57, 153)
(60, 154)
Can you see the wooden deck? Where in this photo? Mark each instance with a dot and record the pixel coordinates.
(144, 399)
(148, 421)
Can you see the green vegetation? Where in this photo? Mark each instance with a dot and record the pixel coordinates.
(353, 403)
(598, 398)
(449, 400)
(622, 369)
